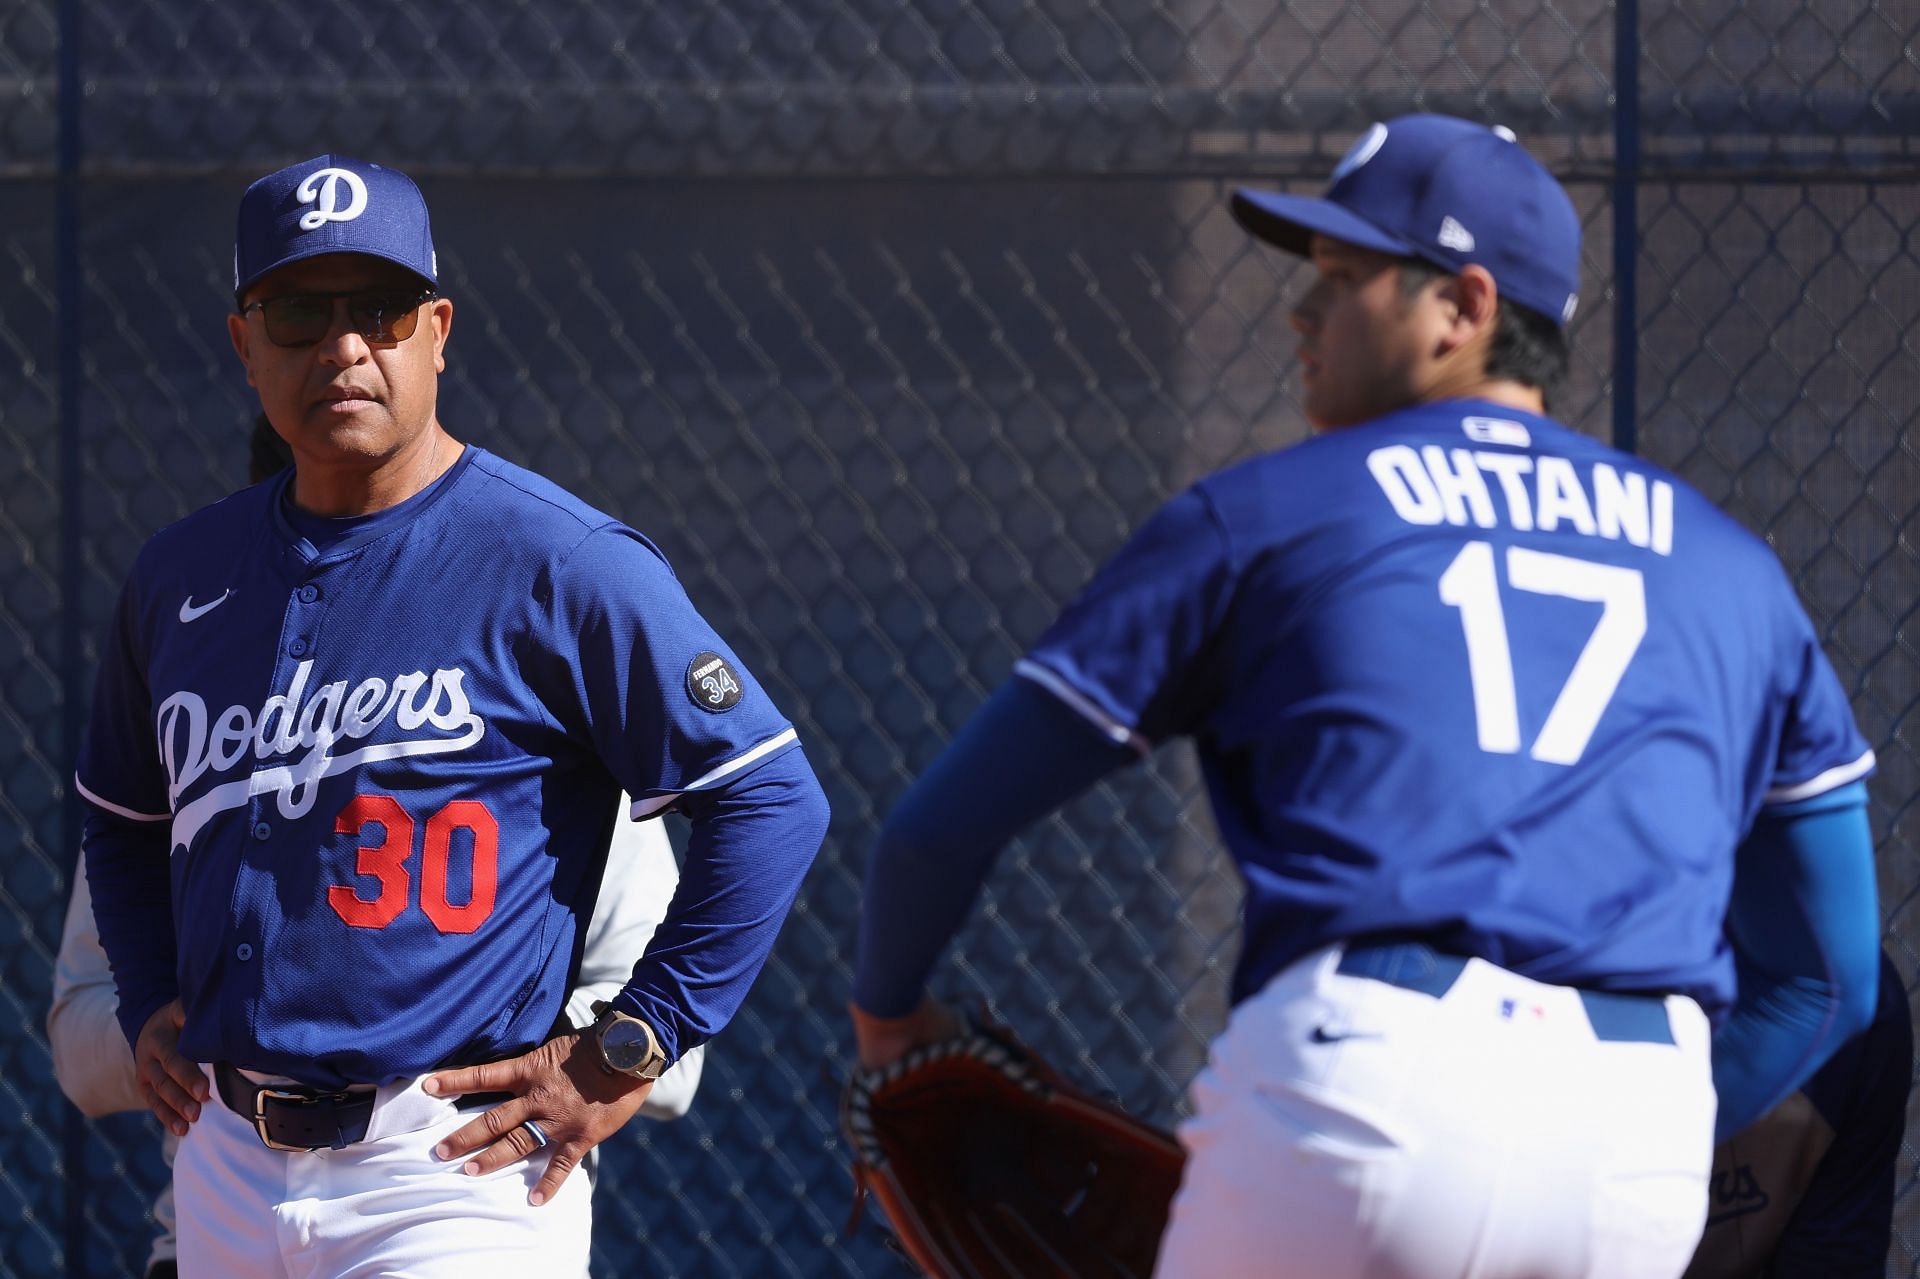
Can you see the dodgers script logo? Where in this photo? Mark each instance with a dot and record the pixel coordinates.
(192, 744)
(322, 190)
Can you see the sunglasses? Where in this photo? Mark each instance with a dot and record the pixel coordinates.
(301, 319)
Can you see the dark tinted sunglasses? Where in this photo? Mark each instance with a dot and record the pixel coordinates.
(378, 315)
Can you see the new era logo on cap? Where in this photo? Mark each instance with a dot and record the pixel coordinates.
(1449, 191)
(331, 204)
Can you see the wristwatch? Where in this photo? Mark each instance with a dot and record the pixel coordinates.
(628, 1045)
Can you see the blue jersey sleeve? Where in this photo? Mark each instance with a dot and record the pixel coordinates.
(1803, 922)
(680, 722)
(668, 706)
(1129, 654)
(126, 866)
(1022, 755)
(1820, 746)
(754, 836)
(124, 840)
(120, 768)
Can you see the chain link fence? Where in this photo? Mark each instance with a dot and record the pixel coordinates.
(888, 321)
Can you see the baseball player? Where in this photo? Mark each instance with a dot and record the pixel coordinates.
(352, 764)
(1484, 709)
(1806, 1192)
(96, 1072)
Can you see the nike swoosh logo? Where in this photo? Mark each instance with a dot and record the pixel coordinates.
(189, 611)
(1321, 1035)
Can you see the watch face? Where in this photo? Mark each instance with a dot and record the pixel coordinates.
(627, 1045)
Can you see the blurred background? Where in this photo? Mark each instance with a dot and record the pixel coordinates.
(887, 321)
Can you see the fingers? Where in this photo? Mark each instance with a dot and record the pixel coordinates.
(510, 1074)
(173, 1105)
(512, 1141)
(562, 1163)
(487, 1130)
(498, 1076)
(572, 1107)
(185, 1075)
(172, 1085)
(515, 1144)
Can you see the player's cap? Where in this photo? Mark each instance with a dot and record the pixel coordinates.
(331, 204)
(1445, 190)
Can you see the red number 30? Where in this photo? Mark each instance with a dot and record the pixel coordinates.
(386, 862)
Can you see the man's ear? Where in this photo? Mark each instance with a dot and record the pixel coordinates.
(440, 316)
(242, 344)
(1473, 304)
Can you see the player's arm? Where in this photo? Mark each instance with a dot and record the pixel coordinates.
(629, 666)
(125, 843)
(1805, 923)
(1124, 666)
(623, 660)
(751, 842)
(1024, 754)
(136, 931)
(634, 892)
(126, 869)
(90, 1056)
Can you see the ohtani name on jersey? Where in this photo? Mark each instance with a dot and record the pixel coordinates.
(306, 729)
(1434, 485)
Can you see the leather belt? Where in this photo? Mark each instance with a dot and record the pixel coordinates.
(292, 1117)
(1416, 966)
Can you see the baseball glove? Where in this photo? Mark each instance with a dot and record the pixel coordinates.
(989, 1164)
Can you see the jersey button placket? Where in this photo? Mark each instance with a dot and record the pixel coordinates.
(307, 593)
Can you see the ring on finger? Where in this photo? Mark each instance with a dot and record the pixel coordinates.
(535, 1131)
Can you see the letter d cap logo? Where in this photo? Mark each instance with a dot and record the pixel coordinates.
(322, 190)
(331, 204)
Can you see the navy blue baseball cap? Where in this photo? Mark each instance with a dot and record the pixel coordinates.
(1445, 190)
(331, 204)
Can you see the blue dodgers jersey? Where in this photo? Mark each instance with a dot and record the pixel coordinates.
(1463, 673)
(390, 770)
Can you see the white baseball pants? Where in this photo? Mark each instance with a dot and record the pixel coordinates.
(381, 1207)
(1348, 1128)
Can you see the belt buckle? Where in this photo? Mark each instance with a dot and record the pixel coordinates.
(260, 1100)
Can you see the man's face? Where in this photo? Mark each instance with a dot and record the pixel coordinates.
(344, 399)
(1365, 348)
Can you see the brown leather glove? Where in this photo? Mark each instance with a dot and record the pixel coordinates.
(990, 1165)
